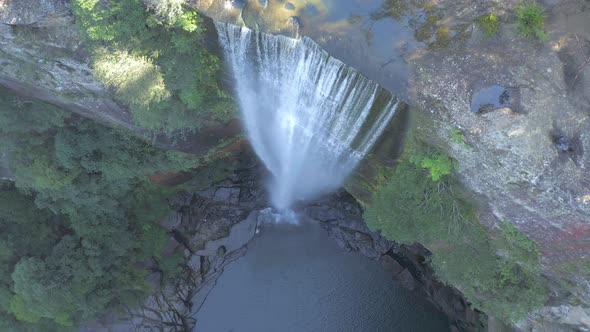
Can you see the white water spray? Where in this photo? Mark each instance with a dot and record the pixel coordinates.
(309, 117)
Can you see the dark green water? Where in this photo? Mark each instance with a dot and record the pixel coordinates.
(294, 278)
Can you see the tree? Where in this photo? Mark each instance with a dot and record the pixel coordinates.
(168, 11)
(19, 218)
(135, 78)
(83, 190)
(156, 61)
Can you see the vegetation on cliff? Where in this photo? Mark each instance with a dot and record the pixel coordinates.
(531, 20)
(490, 24)
(83, 190)
(154, 58)
(423, 203)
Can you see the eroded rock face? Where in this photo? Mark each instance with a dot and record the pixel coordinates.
(528, 161)
(27, 12)
(5, 172)
(210, 228)
(41, 57)
(341, 216)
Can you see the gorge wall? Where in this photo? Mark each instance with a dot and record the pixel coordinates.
(526, 161)
(523, 158)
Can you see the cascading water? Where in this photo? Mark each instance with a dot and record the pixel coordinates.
(309, 117)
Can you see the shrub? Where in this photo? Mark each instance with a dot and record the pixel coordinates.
(443, 36)
(490, 24)
(166, 10)
(457, 136)
(437, 163)
(531, 20)
(516, 242)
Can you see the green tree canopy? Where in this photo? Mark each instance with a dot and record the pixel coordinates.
(423, 203)
(83, 190)
(154, 58)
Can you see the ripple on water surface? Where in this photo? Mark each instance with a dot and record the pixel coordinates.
(294, 278)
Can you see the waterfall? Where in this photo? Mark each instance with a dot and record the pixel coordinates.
(309, 117)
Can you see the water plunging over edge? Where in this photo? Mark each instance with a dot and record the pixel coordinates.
(309, 117)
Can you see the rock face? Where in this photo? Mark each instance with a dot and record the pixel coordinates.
(529, 163)
(529, 175)
(41, 57)
(240, 4)
(210, 229)
(4, 167)
(341, 216)
(17, 12)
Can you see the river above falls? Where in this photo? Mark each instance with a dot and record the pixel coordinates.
(376, 37)
(295, 278)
